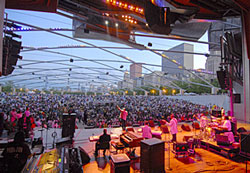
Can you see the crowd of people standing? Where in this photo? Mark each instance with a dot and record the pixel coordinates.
(26, 111)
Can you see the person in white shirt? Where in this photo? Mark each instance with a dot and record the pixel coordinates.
(173, 127)
(225, 127)
(146, 131)
(227, 124)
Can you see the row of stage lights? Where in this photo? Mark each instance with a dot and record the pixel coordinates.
(29, 29)
(129, 19)
(126, 18)
(125, 6)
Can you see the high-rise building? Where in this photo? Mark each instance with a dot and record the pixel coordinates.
(135, 70)
(213, 62)
(184, 59)
(126, 83)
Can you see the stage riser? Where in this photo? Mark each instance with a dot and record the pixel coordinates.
(229, 153)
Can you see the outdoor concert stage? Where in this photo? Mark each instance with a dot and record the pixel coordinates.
(202, 161)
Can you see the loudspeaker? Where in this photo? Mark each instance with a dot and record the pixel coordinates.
(237, 98)
(241, 129)
(152, 156)
(68, 127)
(180, 147)
(221, 76)
(84, 156)
(120, 163)
(185, 127)
(244, 144)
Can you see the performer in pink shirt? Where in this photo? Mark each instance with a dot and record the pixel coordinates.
(123, 116)
(146, 131)
(173, 127)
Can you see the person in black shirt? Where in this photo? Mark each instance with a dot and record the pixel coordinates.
(103, 142)
(16, 154)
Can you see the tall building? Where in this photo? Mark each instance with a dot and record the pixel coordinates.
(213, 62)
(155, 79)
(186, 60)
(135, 70)
(126, 83)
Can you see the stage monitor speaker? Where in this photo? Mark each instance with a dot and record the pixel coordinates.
(84, 156)
(152, 155)
(221, 76)
(241, 129)
(185, 127)
(237, 98)
(244, 144)
(196, 125)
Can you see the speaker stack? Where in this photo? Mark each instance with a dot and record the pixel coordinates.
(68, 127)
(223, 81)
(152, 155)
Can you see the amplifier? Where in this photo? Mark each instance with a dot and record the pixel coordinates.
(120, 163)
(180, 147)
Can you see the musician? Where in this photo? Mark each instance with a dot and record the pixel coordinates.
(16, 154)
(173, 127)
(104, 138)
(202, 120)
(123, 116)
(226, 126)
(146, 131)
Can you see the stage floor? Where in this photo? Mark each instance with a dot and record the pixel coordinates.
(202, 161)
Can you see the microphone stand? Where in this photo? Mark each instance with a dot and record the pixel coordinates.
(169, 168)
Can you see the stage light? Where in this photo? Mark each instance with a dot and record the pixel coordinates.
(116, 25)
(121, 66)
(106, 22)
(107, 73)
(71, 60)
(70, 69)
(33, 73)
(150, 44)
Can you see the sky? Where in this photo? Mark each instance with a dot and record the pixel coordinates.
(35, 75)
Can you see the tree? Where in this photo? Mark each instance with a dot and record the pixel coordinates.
(8, 87)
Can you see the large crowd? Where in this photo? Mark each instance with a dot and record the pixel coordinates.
(27, 111)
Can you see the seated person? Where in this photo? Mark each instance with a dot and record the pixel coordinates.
(104, 138)
(226, 126)
(146, 131)
(16, 154)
